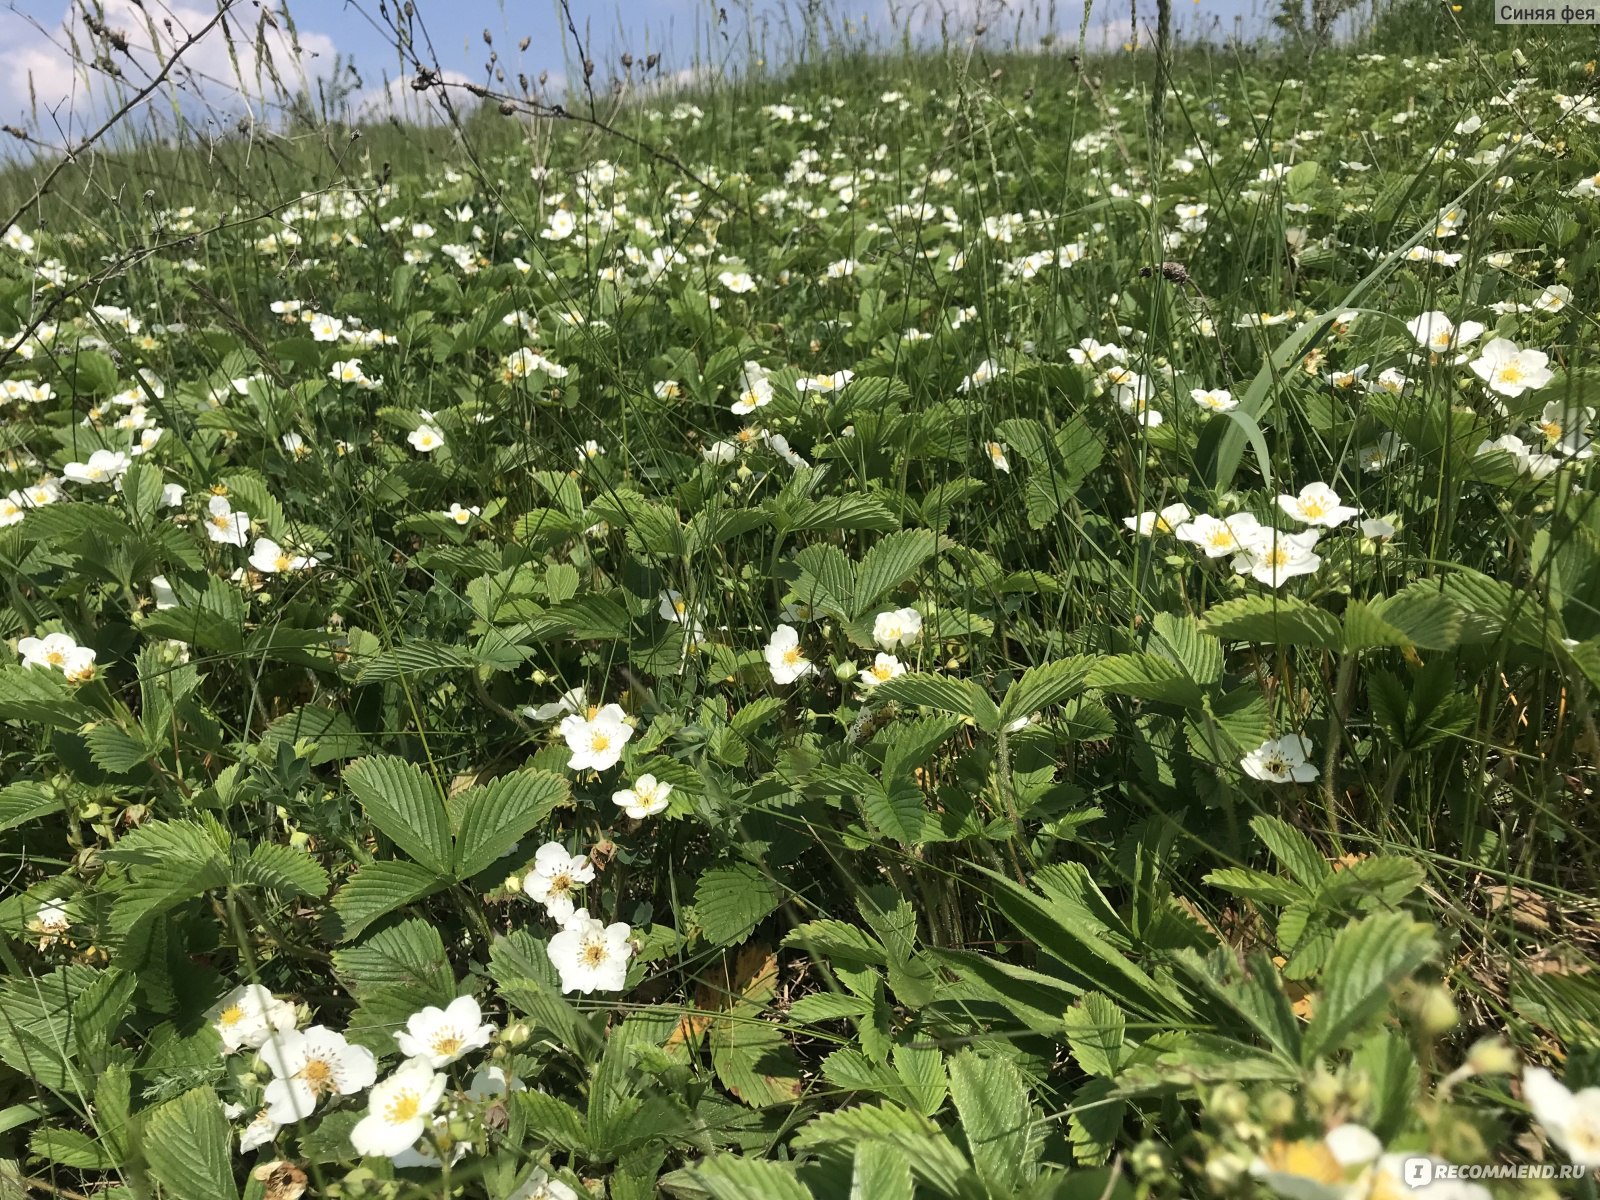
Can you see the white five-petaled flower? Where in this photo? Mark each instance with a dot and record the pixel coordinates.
(985, 372)
(103, 466)
(824, 383)
(596, 738)
(1437, 333)
(540, 1186)
(1510, 371)
(755, 389)
(570, 701)
(1280, 760)
(425, 439)
(589, 451)
(439, 1036)
(398, 1111)
(1271, 557)
(226, 525)
(900, 627)
(309, 1064)
(463, 516)
(556, 880)
(884, 668)
(1563, 426)
(997, 456)
(261, 1130)
(1217, 536)
(325, 328)
(248, 1016)
(590, 955)
(1148, 524)
(646, 798)
(1213, 399)
(1317, 504)
(785, 659)
(272, 559)
(60, 652)
(1571, 1119)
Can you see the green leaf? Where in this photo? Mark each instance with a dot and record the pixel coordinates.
(1367, 960)
(404, 804)
(864, 513)
(881, 1172)
(282, 869)
(1147, 677)
(26, 800)
(1297, 852)
(1185, 641)
(1251, 990)
(894, 559)
(729, 902)
(378, 889)
(897, 810)
(1095, 1031)
(69, 1148)
(186, 1144)
(959, 696)
(334, 734)
(733, 1177)
(168, 862)
(1044, 685)
(1274, 621)
(1004, 1131)
(494, 818)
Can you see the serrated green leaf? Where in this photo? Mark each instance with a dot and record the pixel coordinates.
(1367, 960)
(494, 818)
(378, 889)
(895, 558)
(1044, 685)
(1274, 621)
(404, 804)
(731, 901)
(186, 1142)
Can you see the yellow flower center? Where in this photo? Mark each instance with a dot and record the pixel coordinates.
(599, 742)
(281, 562)
(55, 658)
(881, 673)
(447, 1043)
(1313, 508)
(1221, 537)
(1510, 373)
(594, 953)
(231, 1016)
(403, 1108)
(318, 1072)
(791, 656)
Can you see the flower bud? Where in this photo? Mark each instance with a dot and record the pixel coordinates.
(1491, 1056)
(1436, 1012)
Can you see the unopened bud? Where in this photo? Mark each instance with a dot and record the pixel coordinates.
(1492, 1056)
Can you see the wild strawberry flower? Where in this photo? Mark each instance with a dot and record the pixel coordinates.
(1272, 557)
(557, 879)
(590, 955)
(1317, 504)
(58, 651)
(596, 737)
(1217, 536)
(1435, 332)
(901, 627)
(462, 516)
(996, 452)
(308, 1064)
(1509, 371)
(1280, 760)
(985, 372)
(542, 1186)
(398, 1111)
(1148, 524)
(248, 1016)
(1526, 460)
(425, 439)
(824, 383)
(647, 797)
(1563, 426)
(785, 659)
(1570, 1119)
(884, 668)
(755, 389)
(103, 466)
(261, 1130)
(570, 701)
(272, 559)
(1213, 399)
(440, 1036)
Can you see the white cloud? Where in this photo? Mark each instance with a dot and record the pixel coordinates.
(44, 88)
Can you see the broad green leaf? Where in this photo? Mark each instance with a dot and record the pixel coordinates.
(881, 1172)
(1044, 685)
(1095, 1030)
(1147, 677)
(494, 818)
(895, 558)
(1274, 621)
(1004, 1132)
(733, 1177)
(1297, 852)
(186, 1142)
(404, 804)
(1368, 959)
(378, 889)
(945, 693)
(731, 901)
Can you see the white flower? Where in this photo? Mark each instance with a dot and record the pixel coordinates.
(590, 955)
(571, 701)
(439, 1036)
(985, 372)
(52, 918)
(561, 226)
(1377, 529)
(785, 659)
(1148, 524)
(1213, 399)
(540, 1186)
(53, 650)
(462, 516)
(1379, 454)
(425, 439)
(1563, 428)
(1317, 504)
(325, 328)
(1570, 1119)
(884, 668)
(490, 1082)
(1215, 536)
(309, 1064)
(590, 450)
(1280, 760)
(161, 591)
(272, 559)
(824, 383)
(1553, 299)
(1526, 461)
(997, 456)
(398, 1111)
(780, 446)
(1510, 371)
(737, 282)
(596, 739)
(646, 798)
(555, 878)
(1434, 331)
(13, 509)
(261, 1130)
(901, 627)
(1274, 558)
(248, 1016)
(104, 466)
(755, 390)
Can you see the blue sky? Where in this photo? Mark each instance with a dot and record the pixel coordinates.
(41, 90)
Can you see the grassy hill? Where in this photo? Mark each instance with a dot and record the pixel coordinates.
(913, 627)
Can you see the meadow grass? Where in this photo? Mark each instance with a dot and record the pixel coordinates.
(895, 627)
